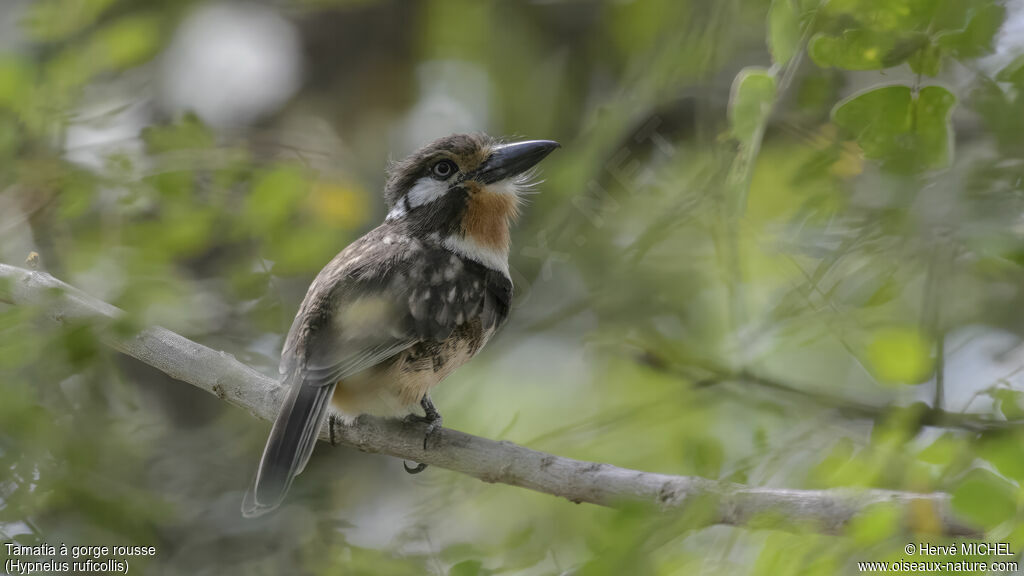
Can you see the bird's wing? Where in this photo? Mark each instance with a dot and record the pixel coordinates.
(387, 300)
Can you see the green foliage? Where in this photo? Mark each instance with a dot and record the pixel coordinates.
(51, 20)
(906, 131)
(864, 49)
(15, 81)
(876, 34)
(755, 283)
(875, 524)
(751, 103)
(977, 36)
(783, 30)
(1005, 452)
(900, 354)
(985, 498)
(997, 101)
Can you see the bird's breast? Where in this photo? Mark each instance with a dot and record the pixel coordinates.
(395, 387)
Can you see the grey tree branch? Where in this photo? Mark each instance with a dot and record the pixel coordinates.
(827, 511)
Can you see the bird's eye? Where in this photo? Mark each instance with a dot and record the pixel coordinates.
(444, 169)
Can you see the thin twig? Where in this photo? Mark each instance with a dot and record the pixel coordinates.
(845, 405)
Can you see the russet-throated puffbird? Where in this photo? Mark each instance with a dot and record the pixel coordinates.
(402, 307)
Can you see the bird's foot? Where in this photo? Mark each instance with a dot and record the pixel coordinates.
(433, 420)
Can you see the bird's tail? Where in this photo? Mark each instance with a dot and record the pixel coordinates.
(289, 446)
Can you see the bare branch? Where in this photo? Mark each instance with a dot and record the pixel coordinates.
(827, 511)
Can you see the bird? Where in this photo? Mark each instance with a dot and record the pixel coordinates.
(402, 307)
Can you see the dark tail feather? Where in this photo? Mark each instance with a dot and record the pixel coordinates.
(288, 449)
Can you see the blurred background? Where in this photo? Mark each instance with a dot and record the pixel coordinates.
(783, 245)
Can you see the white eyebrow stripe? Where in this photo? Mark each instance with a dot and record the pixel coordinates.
(426, 190)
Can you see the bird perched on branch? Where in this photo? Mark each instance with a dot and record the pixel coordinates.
(402, 307)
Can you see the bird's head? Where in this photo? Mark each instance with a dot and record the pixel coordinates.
(466, 189)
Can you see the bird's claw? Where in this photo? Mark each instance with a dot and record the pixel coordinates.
(414, 470)
(432, 418)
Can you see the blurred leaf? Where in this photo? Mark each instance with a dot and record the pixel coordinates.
(927, 60)
(985, 498)
(705, 457)
(302, 250)
(923, 517)
(834, 468)
(1000, 110)
(173, 184)
(783, 30)
(456, 553)
(875, 524)
(188, 134)
(1006, 453)
(128, 41)
(900, 355)
(941, 451)
(1010, 402)
(903, 15)
(81, 345)
(342, 204)
(16, 79)
(56, 19)
(906, 133)
(1013, 72)
(976, 38)
(864, 49)
(273, 197)
(455, 28)
(468, 568)
(753, 95)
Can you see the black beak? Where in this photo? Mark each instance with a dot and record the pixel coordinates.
(509, 160)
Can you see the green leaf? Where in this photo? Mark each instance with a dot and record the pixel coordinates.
(300, 251)
(942, 451)
(985, 498)
(16, 80)
(900, 355)
(189, 134)
(1009, 402)
(1013, 72)
(705, 457)
(783, 31)
(273, 197)
(890, 16)
(1006, 453)
(976, 38)
(1000, 109)
(832, 470)
(927, 60)
(863, 49)
(57, 19)
(753, 95)
(906, 133)
(468, 568)
(876, 523)
(128, 41)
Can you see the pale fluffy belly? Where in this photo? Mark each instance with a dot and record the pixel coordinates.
(394, 388)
